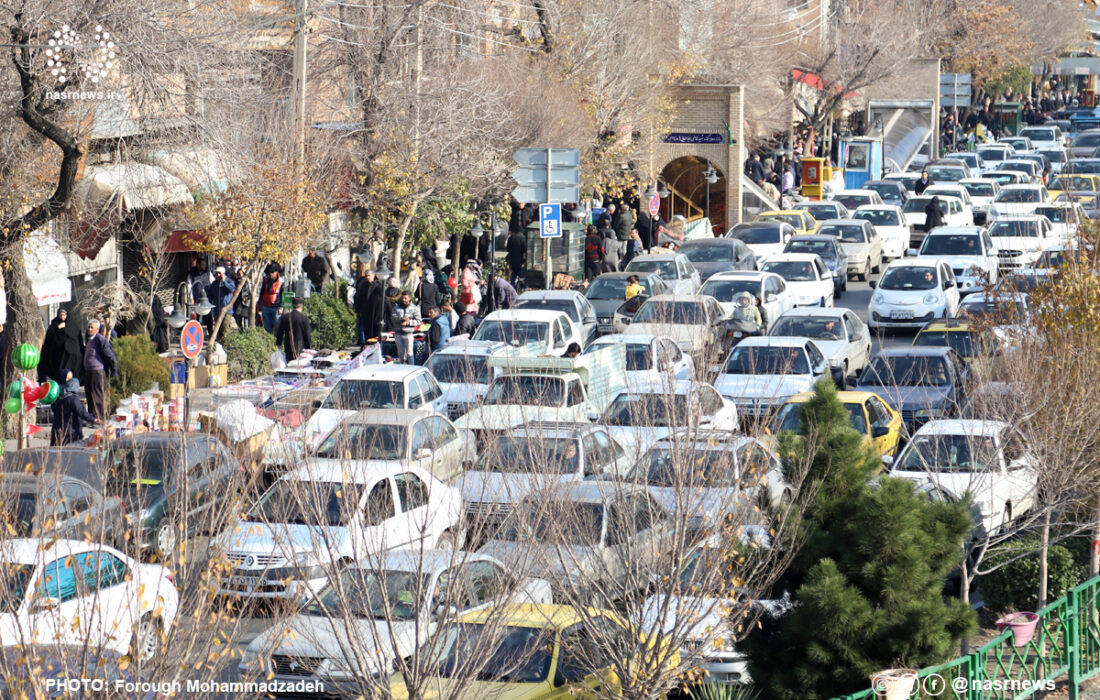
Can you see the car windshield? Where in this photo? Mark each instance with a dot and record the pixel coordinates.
(460, 369)
(1057, 215)
(1038, 134)
(949, 453)
(908, 278)
(1003, 178)
(614, 288)
(687, 465)
(920, 370)
(793, 219)
(494, 653)
(992, 153)
(816, 327)
(1056, 257)
(148, 464)
(1053, 155)
(556, 522)
(1086, 200)
(513, 332)
(851, 201)
(1072, 183)
(294, 502)
(708, 253)
(821, 211)
(790, 417)
(767, 360)
(16, 580)
(979, 189)
(566, 306)
(966, 343)
(823, 247)
(664, 267)
(1019, 166)
(946, 174)
(656, 410)
(847, 234)
(531, 454)
(353, 394)
(691, 313)
(364, 441)
(916, 206)
(952, 244)
(792, 270)
(726, 290)
(1088, 167)
(878, 217)
(638, 355)
(756, 234)
(887, 192)
(526, 390)
(1087, 140)
(393, 596)
(1014, 229)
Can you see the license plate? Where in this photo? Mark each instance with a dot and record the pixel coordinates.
(901, 315)
(244, 580)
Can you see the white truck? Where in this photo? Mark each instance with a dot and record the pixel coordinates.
(547, 388)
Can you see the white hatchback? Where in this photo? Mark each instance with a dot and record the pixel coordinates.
(912, 292)
(807, 277)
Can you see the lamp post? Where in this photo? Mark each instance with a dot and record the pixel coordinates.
(477, 232)
(711, 176)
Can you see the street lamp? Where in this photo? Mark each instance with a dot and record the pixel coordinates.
(711, 176)
(662, 188)
(180, 313)
(202, 304)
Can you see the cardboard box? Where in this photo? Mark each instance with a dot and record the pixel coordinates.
(200, 376)
(176, 391)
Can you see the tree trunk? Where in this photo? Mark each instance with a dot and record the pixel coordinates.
(964, 596)
(24, 322)
(402, 230)
(1044, 547)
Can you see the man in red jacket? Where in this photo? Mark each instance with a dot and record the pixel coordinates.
(269, 299)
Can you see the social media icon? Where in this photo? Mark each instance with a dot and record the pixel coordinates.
(934, 684)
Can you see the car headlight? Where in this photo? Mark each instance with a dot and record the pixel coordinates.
(878, 299)
(933, 298)
(338, 666)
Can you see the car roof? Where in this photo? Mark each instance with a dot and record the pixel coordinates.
(590, 492)
(858, 190)
(704, 242)
(422, 560)
(551, 295)
(472, 347)
(663, 386)
(386, 416)
(774, 341)
(978, 181)
(982, 297)
(957, 426)
(791, 257)
(528, 314)
(159, 438)
(740, 275)
(388, 372)
(774, 212)
(624, 275)
(705, 438)
(78, 462)
(552, 429)
(348, 471)
(655, 256)
(851, 222)
(915, 350)
(954, 230)
(1017, 217)
(827, 312)
(1025, 186)
(950, 325)
(882, 182)
(29, 550)
(919, 261)
(698, 298)
(813, 236)
(876, 207)
(626, 339)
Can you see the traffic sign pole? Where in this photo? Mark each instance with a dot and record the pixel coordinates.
(549, 229)
(191, 340)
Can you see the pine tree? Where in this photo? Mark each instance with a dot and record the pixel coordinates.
(868, 584)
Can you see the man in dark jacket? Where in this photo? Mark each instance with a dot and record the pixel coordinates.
(69, 415)
(517, 254)
(218, 292)
(427, 293)
(368, 307)
(62, 347)
(923, 182)
(623, 226)
(504, 294)
(754, 169)
(317, 269)
(99, 363)
(293, 332)
(466, 322)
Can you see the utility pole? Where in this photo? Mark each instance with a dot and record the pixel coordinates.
(419, 71)
(301, 43)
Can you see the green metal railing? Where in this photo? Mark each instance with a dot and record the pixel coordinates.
(1066, 645)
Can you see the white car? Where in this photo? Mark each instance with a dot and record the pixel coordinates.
(764, 238)
(674, 268)
(853, 199)
(380, 613)
(807, 277)
(119, 603)
(330, 512)
(767, 287)
(889, 223)
(761, 373)
(908, 179)
(983, 191)
(570, 302)
(841, 336)
(649, 358)
(994, 154)
(1066, 220)
(973, 161)
(462, 369)
(1044, 136)
(553, 330)
(380, 386)
(1021, 240)
(860, 242)
(950, 207)
(969, 251)
(640, 416)
(912, 292)
(1058, 157)
(988, 459)
(1018, 200)
(953, 189)
(1007, 313)
(694, 321)
(823, 210)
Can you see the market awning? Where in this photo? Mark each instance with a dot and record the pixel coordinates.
(48, 270)
(107, 193)
(815, 81)
(183, 241)
(201, 169)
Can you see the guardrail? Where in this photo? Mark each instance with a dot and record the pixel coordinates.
(1066, 645)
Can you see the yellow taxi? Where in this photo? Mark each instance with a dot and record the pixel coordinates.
(879, 424)
(800, 221)
(1077, 182)
(534, 652)
(974, 343)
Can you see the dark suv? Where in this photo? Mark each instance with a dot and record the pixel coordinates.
(922, 382)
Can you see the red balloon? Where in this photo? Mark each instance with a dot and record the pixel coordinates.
(41, 391)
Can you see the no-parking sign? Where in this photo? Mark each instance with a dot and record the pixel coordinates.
(191, 339)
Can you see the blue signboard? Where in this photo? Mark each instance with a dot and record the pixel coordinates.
(695, 138)
(550, 220)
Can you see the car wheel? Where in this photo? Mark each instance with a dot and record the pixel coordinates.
(837, 292)
(166, 541)
(146, 642)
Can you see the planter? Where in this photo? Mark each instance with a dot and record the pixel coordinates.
(894, 683)
(1022, 625)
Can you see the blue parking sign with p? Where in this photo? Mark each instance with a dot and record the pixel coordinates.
(550, 220)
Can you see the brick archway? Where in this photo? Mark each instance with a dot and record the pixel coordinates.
(688, 192)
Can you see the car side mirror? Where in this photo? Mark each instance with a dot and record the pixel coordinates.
(593, 416)
(872, 284)
(772, 296)
(423, 453)
(316, 403)
(948, 284)
(887, 461)
(879, 431)
(913, 252)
